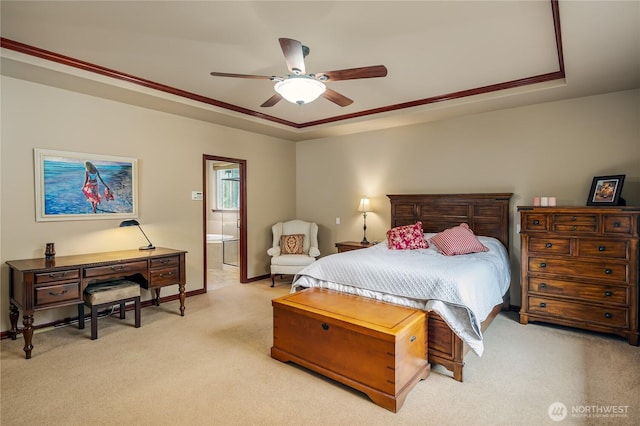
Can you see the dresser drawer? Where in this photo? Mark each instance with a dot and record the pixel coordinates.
(618, 225)
(164, 276)
(550, 245)
(58, 294)
(119, 269)
(534, 222)
(603, 248)
(597, 270)
(605, 315)
(593, 292)
(48, 277)
(575, 223)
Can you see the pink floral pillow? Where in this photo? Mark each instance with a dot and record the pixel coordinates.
(458, 240)
(407, 237)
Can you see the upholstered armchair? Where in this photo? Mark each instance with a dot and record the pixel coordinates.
(295, 245)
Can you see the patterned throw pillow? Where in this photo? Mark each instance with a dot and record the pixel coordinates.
(458, 240)
(407, 237)
(291, 244)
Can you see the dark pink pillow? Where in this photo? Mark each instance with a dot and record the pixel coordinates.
(458, 240)
(407, 237)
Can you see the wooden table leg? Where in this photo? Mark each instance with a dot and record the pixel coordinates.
(14, 314)
(182, 297)
(27, 332)
(157, 299)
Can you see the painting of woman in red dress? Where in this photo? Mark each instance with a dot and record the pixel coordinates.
(91, 189)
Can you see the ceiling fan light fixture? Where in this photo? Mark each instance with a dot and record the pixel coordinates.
(300, 89)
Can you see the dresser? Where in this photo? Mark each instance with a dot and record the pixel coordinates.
(40, 284)
(580, 268)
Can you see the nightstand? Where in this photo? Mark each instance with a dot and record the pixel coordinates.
(351, 245)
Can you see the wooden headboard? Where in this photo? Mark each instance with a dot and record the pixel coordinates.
(486, 213)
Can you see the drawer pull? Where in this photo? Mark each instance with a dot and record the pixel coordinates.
(608, 293)
(166, 275)
(118, 267)
(608, 271)
(548, 245)
(608, 315)
(58, 275)
(543, 305)
(51, 293)
(574, 228)
(325, 326)
(616, 224)
(543, 285)
(543, 265)
(601, 248)
(574, 219)
(163, 261)
(413, 339)
(536, 222)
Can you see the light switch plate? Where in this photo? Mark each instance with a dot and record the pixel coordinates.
(196, 195)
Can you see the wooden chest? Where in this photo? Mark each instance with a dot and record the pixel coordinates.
(377, 348)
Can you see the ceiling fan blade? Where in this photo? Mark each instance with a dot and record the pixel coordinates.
(293, 55)
(272, 100)
(336, 98)
(353, 73)
(259, 77)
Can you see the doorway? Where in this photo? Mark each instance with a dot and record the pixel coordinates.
(224, 217)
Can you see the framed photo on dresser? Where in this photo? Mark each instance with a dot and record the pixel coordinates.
(605, 191)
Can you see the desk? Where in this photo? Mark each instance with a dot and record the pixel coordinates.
(39, 284)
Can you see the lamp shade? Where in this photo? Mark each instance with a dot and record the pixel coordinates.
(134, 222)
(300, 89)
(365, 205)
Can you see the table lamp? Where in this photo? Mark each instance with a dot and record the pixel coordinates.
(133, 222)
(364, 207)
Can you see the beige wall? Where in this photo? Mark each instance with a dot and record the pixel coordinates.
(169, 150)
(552, 149)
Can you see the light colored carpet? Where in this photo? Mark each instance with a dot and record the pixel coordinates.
(212, 367)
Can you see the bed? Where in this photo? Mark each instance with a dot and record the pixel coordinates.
(449, 336)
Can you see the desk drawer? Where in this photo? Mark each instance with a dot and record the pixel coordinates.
(51, 295)
(164, 276)
(119, 269)
(53, 276)
(165, 261)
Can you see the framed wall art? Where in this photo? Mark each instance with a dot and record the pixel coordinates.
(606, 190)
(79, 186)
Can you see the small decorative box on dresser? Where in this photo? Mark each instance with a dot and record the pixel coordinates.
(580, 267)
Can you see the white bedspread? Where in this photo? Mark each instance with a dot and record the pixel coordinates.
(461, 289)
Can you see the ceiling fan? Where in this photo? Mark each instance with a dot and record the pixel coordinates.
(302, 88)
